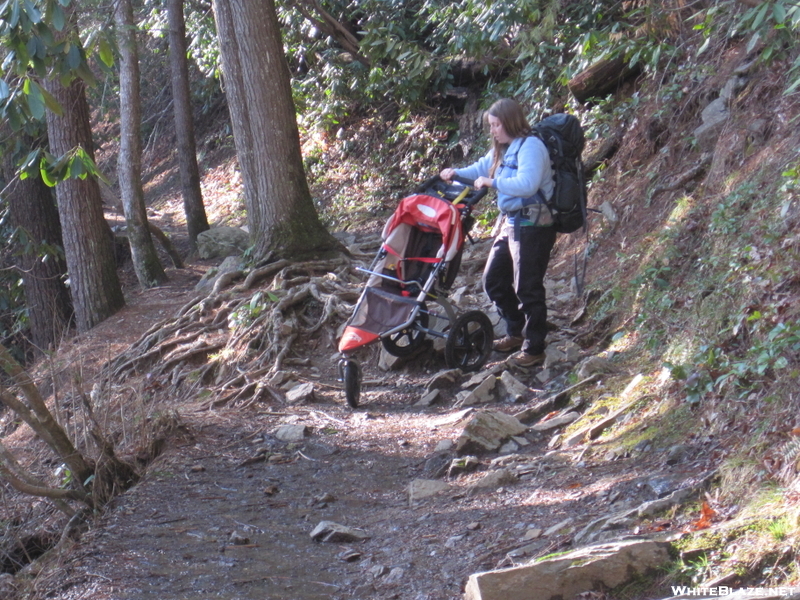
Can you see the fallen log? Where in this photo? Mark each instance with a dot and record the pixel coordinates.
(601, 78)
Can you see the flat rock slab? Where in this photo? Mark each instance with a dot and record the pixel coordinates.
(424, 488)
(328, 531)
(486, 432)
(566, 576)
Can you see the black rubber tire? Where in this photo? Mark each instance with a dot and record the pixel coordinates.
(352, 382)
(406, 341)
(469, 342)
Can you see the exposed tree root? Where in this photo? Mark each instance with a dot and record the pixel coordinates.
(237, 337)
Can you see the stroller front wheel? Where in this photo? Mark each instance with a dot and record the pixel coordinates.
(351, 373)
(469, 341)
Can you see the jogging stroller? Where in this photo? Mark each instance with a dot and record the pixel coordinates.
(417, 263)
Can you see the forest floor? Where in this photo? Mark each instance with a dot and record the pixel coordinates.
(226, 510)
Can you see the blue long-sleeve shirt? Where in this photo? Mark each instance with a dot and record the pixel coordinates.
(516, 186)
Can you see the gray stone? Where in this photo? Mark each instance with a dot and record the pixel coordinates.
(608, 212)
(511, 389)
(494, 480)
(594, 364)
(300, 394)
(486, 431)
(328, 531)
(463, 464)
(483, 394)
(425, 488)
(558, 527)
(556, 421)
(510, 447)
(443, 379)
(609, 565)
(714, 117)
(219, 242)
(429, 398)
(230, 265)
(291, 433)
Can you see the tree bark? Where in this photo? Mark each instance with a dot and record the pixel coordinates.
(32, 207)
(196, 220)
(146, 264)
(94, 285)
(281, 214)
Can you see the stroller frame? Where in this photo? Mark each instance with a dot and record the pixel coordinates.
(404, 277)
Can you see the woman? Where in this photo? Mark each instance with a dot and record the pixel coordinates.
(518, 167)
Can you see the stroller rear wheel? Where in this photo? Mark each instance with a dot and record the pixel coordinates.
(469, 342)
(351, 374)
(406, 341)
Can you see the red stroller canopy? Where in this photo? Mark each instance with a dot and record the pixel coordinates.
(430, 214)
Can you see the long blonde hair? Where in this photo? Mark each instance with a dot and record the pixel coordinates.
(513, 119)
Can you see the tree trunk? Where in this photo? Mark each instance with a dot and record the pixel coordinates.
(601, 78)
(146, 264)
(196, 220)
(94, 285)
(280, 212)
(32, 207)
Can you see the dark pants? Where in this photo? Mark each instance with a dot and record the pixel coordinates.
(514, 281)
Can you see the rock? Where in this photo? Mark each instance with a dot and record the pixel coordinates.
(387, 362)
(443, 380)
(437, 465)
(463, 464)
(378, 571)
(301, 394)
(610, 215)
(291, 433)
(556, 421)
(572, 352)
(395, 576)
(558, 527)
(714, 117)
(494, 480)
(428, 399)
(219, 242)
(594, 364)
(486, 431)
(425, 488)
(532, 534)
(237, 539)
(677, 454)
(510, 447)
(328, 531)
(608, 565)
(444, 446)
(230, 265)
(483, 394)
(511, 389)
(553, 356)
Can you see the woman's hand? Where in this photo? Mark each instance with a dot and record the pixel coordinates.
(447, 174)
(483, 182)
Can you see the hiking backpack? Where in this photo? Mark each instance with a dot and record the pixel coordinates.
(563, 136)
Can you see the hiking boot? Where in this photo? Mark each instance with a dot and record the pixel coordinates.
(523, 359)
(508, 343)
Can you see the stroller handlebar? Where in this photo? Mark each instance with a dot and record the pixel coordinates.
(470, 199)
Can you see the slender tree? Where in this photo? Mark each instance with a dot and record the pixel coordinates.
(196, 220)
(280, 211)
(148, 268)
